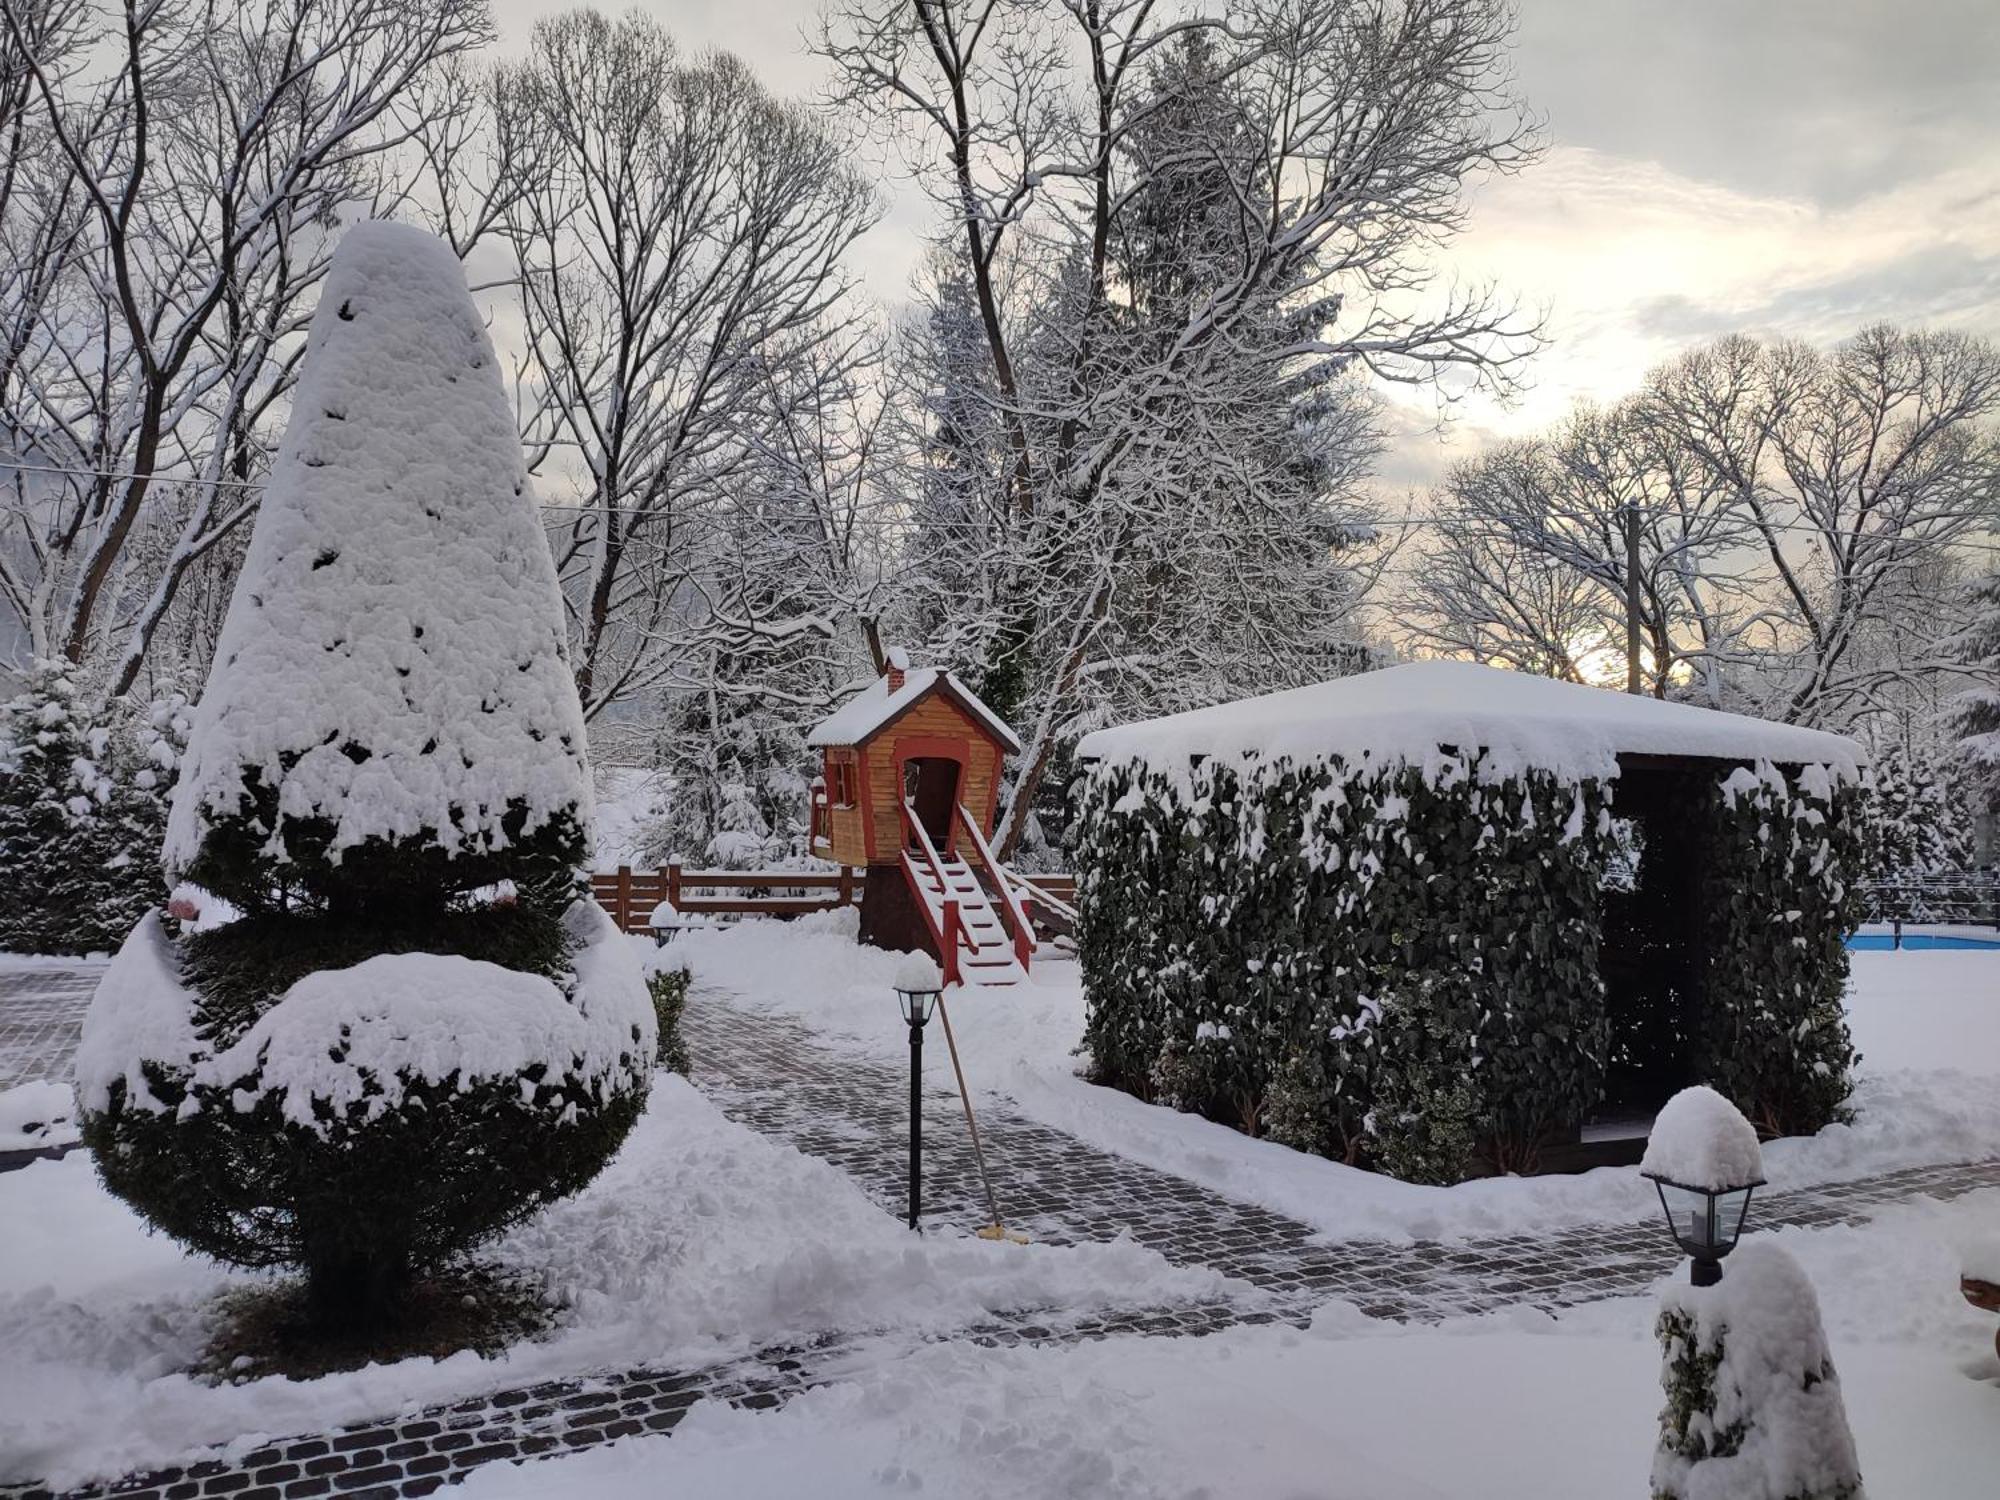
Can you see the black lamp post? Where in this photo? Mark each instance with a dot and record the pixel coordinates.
(1704, 1158)
(918, 985)
(1705, 1221)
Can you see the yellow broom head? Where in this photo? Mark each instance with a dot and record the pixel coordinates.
(1000, 1232)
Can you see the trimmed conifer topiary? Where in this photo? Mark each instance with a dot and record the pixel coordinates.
(421, 1029)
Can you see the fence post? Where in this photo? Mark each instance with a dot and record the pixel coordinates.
(624, 898)
(846, 887)
(673, 874)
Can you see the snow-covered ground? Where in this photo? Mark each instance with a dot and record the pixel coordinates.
(1927, 1024)
(1513, 1406)
(703, 1240)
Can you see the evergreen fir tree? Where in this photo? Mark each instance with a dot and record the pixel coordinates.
(380, 1065)
(1977, 720)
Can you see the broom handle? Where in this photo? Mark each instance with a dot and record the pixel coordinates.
(965, 1098)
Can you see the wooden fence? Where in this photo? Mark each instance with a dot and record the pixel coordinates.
(630, 895)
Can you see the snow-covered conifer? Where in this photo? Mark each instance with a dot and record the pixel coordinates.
(390, 732)
(1978, 710)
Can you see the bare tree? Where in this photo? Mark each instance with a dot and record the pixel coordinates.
(1327, 144)
(208, 150)
(1802, 513)
(680, 244)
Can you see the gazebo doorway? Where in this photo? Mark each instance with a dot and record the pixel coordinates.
(1649, 955)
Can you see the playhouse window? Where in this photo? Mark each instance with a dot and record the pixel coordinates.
(840, 783)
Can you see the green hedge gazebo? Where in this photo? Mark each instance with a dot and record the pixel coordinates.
(1442, 918)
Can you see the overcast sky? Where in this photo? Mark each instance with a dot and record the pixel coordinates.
(1784, 166)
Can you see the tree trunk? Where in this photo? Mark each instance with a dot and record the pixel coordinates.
(356, 1292)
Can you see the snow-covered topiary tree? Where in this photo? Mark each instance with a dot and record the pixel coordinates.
(1753, 1410)
(421, 1029)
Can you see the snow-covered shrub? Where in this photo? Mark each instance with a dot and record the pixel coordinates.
(82, 808)
(1780, 898)
(1753, 1408)
(1258, 914)
(420, 1030)
(1915, 826)
(669, 990)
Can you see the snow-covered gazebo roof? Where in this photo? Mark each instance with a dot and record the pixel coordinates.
(1408, 712)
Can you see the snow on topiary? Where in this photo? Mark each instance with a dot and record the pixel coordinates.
(390, 696)
(421, 1029)
(1753, 1409)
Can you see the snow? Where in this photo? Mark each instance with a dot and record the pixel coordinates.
(1796, 1441)
(397, 566)
(1980, 1259)
(141, 1013)
(701, 1241)
(1510, 1406)
(1407, 713)
(1927, 1024)
(875, 706)
(1701, 1140)
(344, 1036)
(37, 1114)
(918, 971)
(630, 799)
(340, 1038)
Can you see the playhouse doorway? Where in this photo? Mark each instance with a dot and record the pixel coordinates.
(930, 786)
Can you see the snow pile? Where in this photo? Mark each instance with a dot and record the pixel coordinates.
(1701, 1140)
(398, 565)
(1521, 721)
(36, 1115)
(1766, 1421)
(1980, 1260)
(702, 1241)
(361, 1035)
(340, 1037)
(140, 1014)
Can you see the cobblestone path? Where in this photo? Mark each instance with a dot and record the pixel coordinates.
(41, 1016)
(767, 1072)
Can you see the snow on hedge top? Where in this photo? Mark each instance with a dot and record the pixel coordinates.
(1701, 1140)
(396, 634)
(875, 706)
(1407, 713)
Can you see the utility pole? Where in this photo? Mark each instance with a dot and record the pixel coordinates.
(1632, 680)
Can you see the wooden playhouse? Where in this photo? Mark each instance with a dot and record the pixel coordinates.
(908, 790)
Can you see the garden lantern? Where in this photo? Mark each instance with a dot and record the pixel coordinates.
(1703, 1158)
(918, 985)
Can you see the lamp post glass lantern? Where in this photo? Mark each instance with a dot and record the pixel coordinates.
(918, 985)
(1706, 1222)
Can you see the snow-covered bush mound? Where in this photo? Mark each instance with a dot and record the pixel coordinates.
(399, 566)
(36, 1115)
(1754, 1409)
(342, 1047)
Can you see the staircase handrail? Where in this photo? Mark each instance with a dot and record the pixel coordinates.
(1026, 885)
(930, 854)
(1012, 916)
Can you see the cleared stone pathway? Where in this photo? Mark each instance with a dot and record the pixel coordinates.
(767, 1072)
(41, 1017)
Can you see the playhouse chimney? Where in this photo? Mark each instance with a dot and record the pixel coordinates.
(896, 662)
